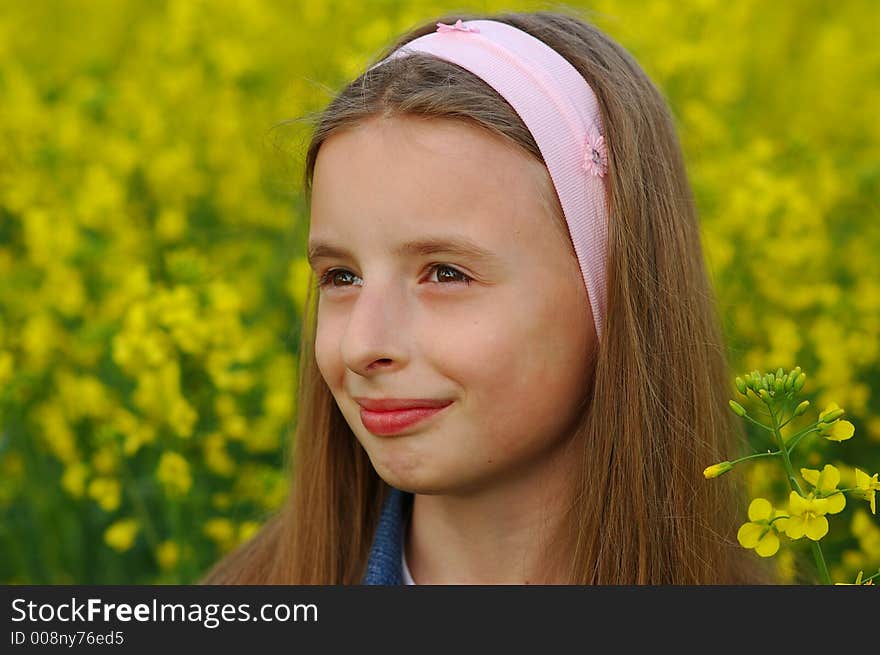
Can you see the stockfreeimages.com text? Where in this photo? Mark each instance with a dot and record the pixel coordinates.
(209, 615)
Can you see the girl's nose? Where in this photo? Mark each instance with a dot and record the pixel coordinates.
(376, 330)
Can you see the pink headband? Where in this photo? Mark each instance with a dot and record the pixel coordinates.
(562, 113)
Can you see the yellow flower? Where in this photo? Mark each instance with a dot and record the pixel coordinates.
(105, 460)
(167, 554)
(173, 473)
(171, 224)
(825, 484)
(867, 488)
(217, 458)
(182, 418)
(807, 517)
(760, 532)
(717, 469)
(74, 479)
(121, 534)
(220, 530)
(106, 492)
(837, 430)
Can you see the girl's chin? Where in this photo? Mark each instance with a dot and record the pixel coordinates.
(427, 481)
(423, 480)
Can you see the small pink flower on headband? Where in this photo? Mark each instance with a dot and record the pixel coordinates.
(459, 27)
(595, 153)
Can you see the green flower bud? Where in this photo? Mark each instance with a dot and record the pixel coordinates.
(789, 379)
(738, 409)
(830, 417)
(768, 382)
(717, 469)
(779, 385)
(799, 383)
(741, 385)
(779, 373)
(765, 395)
(800, 409)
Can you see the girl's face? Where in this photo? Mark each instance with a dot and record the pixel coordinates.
(504, 334)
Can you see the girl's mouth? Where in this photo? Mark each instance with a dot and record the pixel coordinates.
(392, 422)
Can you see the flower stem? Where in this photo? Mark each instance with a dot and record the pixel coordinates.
(758, 423)
(840, 491)
(793, 483)
(788, 408)
(755, 456)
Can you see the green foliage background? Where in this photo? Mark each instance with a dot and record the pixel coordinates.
(152, 233)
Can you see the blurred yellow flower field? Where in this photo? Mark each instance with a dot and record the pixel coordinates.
(152, 237)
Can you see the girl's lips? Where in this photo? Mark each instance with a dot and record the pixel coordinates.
(392, 422)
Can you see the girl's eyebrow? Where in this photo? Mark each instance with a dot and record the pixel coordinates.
(451, 245)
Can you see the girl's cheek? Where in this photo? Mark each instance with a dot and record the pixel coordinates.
(327, 354)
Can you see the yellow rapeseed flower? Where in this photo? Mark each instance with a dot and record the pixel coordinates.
(235, 426)
(173, 473)
(171, 224)
(220, 530)
(867, 488)
(225, 405)
(217, 458)
(717, 469)
(57, 433)
(167, 554)
(806, 517)
(760, 532)
(825, 484)
(107, 492)
(141, 435)
(120, 535)
(105, 460)
(837, 430)
(182, 418)
(73, 481)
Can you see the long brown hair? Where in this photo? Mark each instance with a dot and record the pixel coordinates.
(656, 413)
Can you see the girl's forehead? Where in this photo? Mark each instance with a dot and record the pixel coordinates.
(443, 155)
(419, 177)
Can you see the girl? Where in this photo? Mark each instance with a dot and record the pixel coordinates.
(514, 371)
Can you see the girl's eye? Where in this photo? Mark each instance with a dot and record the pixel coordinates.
(456, 276)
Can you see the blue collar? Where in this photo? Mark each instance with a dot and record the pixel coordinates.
(383, 567)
